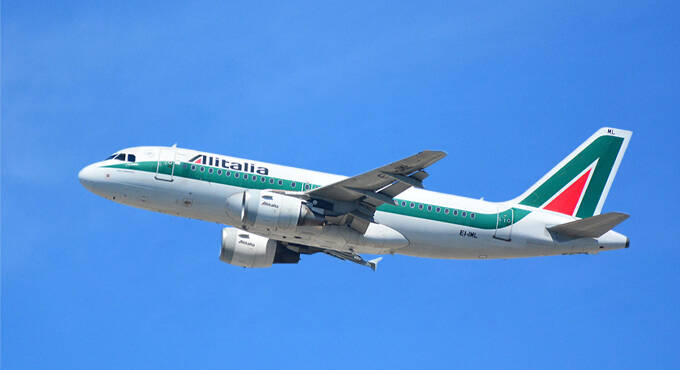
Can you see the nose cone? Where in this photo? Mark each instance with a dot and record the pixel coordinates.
(87, 177)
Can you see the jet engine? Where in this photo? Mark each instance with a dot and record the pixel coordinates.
(245, 249)
(269, 210)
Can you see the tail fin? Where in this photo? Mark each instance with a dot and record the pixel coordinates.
(578, 186)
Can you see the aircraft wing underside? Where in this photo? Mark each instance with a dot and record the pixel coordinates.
(346, 256)
(353, 201)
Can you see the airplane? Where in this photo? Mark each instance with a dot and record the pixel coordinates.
(276, 213)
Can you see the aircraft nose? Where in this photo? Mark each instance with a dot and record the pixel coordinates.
(86, 176)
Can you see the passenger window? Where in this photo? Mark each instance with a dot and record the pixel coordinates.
(210, 170)
(219, 172)
(438, 209)
(429, 208)
(446, 211)
(193, 167)
(131, 158)
(236, 175)
(280, 182)
(271, 181)
(228, 173)
(455, 212)
(292, 184)
(245, 177)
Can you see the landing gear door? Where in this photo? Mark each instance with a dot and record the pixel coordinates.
(504, 221)
(165, 168)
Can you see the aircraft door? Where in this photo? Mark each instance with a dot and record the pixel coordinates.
(165, 167)
(504, 221)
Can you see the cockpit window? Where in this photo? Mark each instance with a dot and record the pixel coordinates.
(121, 157)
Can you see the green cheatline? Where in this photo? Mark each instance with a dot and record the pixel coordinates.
(255, 181)
(604, 149)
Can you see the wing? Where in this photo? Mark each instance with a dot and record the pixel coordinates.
(346, 256)
(353, 201)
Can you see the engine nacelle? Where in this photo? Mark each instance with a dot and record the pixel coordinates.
(245, 249)
(269, 210)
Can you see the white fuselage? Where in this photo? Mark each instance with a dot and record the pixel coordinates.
(401, 229)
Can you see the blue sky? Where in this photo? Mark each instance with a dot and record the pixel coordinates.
(507, 90)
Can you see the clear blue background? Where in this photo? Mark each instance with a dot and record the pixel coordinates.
(506, 88)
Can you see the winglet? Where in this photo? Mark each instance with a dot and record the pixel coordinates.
(373, 264)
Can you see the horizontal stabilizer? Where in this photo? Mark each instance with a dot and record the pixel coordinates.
(590, 227)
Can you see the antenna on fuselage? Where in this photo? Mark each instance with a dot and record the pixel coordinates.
(174, 145)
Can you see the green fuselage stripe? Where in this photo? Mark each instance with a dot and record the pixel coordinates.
(255, 181)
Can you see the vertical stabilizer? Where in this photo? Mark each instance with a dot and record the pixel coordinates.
(578, 186)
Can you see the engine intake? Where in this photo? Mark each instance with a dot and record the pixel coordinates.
(245, 249)
(269, 210)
